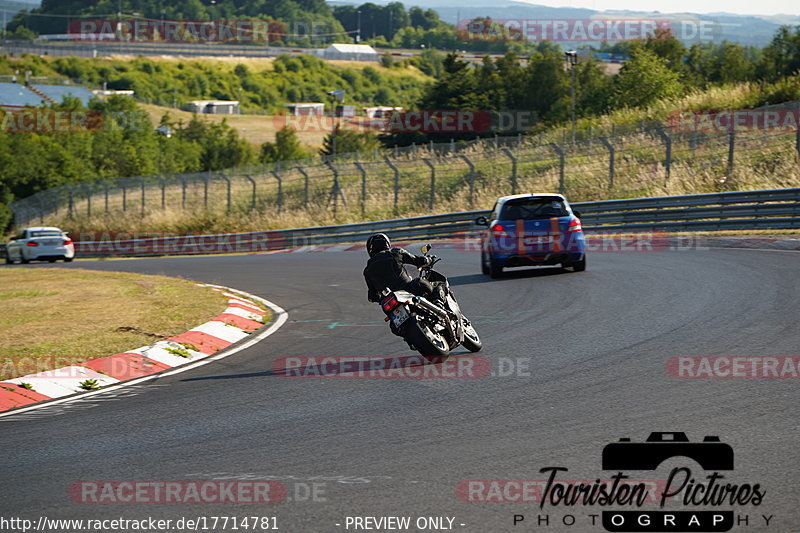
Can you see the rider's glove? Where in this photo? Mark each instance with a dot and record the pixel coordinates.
(431, 259)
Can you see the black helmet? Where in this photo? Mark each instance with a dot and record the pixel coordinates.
(377, 243)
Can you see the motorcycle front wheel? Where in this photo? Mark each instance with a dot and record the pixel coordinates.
(428, 342)
(472, 341)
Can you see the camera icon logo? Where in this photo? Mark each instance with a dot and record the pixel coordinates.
(711, 454)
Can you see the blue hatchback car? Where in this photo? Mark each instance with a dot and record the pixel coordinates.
(531, 230)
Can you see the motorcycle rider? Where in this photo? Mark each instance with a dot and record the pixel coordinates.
(385, 269)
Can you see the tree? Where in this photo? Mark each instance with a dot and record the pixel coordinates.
(427, 19)
(341, 141)
(593, 88)
(645, 78)
(285, 148)
(221, 146)
(731, 64)
(546, 87)
(5, 211)
(782, 55)
(429, 62)
(666, 46)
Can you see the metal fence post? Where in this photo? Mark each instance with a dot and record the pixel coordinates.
(124, 196)
(360, 167)
(228, 190)
(163, 192)
(41, 210)
(71, 204)
(183, 191)
(433, 182)
(141, 180)
(305, 185)
(560, 153)
(731, 150)
(611, 152)
(797, 139)
(513, 170)
(280, 189)
(471, 179)
(667, 149)
(105, 188)
(336, 189)
(205, 189)
(797, 131)
(253, 183)
(396, 184)
(88, 190)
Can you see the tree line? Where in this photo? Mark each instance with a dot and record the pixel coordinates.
(658, 69)
(125, 143)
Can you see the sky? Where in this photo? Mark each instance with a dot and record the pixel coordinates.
(748, 7)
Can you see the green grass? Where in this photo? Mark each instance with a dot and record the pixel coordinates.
(84, 314)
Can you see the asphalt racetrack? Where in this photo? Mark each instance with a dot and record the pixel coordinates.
(579, 360)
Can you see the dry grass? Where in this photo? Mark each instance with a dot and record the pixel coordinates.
(258, 64)
(55, 317)
(256, 129)
(761, 163)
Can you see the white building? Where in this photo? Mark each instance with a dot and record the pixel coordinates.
(215, 107)
(350, 52)
(307, 109)
(381, 111)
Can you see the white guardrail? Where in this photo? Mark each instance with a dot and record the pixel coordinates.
(746, 210)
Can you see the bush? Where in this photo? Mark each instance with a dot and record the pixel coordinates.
(285, 148)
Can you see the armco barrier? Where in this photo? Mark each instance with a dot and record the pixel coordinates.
(768, 209)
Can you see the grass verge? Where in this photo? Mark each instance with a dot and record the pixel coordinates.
(53, 317)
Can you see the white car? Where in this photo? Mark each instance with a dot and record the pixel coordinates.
(40, 244)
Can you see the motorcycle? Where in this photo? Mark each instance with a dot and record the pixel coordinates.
(434, 328)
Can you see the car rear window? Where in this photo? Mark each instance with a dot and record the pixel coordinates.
(531, 208)
(45, 233)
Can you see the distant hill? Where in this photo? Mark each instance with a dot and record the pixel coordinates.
(756, 30)
(12, 7)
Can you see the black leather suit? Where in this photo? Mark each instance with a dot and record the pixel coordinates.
(386, 270)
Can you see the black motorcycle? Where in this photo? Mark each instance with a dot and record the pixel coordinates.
(432, 327)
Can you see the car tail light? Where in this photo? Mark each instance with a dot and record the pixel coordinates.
(32, 243)
(574, 225)
(67, 241)
(389, 303)
(499, 232)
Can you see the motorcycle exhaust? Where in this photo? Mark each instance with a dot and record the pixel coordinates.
(454, 330)
(430, 307)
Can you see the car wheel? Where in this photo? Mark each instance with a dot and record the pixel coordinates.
(484, 265)
(9, 261)
(22, 259)
(495, 270)
(579, 266)
(51, 260)
(68, 259)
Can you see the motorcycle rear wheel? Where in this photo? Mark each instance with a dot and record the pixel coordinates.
(427, 342)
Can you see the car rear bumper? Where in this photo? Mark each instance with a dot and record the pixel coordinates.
(50, 252)
(547, 258)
